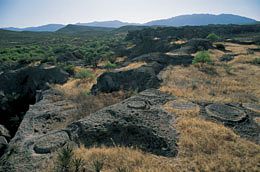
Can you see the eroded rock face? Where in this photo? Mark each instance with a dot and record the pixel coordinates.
(18, 89)
(138, 121)
(40, 135)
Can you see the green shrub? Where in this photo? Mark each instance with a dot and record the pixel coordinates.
(202, 57)
(110, 65)
(213, 37)
(84, 73)
(98, 165)
(65, 159)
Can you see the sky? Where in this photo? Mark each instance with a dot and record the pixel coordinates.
(25, 13)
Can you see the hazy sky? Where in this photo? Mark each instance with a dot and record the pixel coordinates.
(24, 13)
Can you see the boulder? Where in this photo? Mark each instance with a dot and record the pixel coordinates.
(136, 79)
(138, 121)
(19, 89)
(194, 45)
(142, 78)
(164, 59)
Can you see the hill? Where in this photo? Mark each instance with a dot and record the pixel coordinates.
(110, 24)
(76, 29)
(201, 19)
(44, 28)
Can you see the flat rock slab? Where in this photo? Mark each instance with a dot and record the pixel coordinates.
(138, 122)
(243, 119)
(225, 113)
(183, 105)
(252, 107)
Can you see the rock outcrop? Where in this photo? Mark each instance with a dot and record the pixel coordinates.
(40, 134)
(194, 45)
(139, 121)
(142, 78)
(19, 88)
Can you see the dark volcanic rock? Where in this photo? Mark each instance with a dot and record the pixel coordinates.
(243, 119)
(40, 134)
(141, 78)
(18, 89)
(138, 121)
(194, 45)
(164, 59)
(226, 113)
(3, 145)
(136, 79)
(227, 57)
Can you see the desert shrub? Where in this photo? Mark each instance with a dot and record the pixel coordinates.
(65, 159)
(110, 65)
(98, 165)
(202, 57)
(256, 61)
(213, 37)
(84, 73)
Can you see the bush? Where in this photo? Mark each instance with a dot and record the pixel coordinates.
(65, 159)
(110, 65)
(213, 37)
(84, 73)
(202, 57)
(67, 162)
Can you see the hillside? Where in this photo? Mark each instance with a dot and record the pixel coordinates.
(110, 24)
(135, 98)
(44, 28)
(201, 19)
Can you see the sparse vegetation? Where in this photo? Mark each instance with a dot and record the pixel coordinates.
(202, 57)
(213, 37)
(84, 73)
(110, 65)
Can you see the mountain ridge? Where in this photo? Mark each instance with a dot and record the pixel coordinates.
(181, 20)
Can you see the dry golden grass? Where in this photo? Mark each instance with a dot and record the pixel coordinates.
(234, 82)
(202, 145)
(131, 66)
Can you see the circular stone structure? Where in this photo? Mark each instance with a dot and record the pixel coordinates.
(225, 113)
(252, 107)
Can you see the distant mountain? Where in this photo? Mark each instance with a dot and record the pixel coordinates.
(110, 24)
(183, 20)
(44, 28)
(201, 19)
(75, 29)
